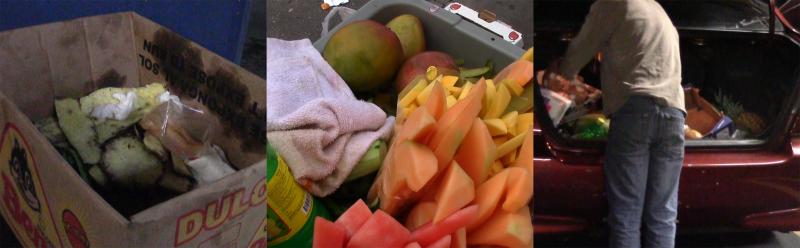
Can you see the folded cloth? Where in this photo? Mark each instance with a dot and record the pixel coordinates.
(313, 119)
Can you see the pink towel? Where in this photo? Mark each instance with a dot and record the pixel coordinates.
(313, 119)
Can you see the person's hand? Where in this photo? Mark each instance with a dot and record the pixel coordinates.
(552, 80)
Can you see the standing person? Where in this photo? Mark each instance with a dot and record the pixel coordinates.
(642, 94)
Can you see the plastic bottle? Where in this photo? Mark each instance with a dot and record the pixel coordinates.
(290, 209)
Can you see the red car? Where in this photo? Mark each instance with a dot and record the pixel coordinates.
(736, 48)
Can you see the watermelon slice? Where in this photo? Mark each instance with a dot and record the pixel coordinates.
(443, 242)
(430, 233)
(327, 234)
(413, 245)
(354, 217)
(381, 230)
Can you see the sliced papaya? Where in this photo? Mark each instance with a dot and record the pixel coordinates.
(476, 153)
(487, 197)
(455, 191)
(519, 189)
(420, 214)
(437, 101)
(454, 125)
(508, 229)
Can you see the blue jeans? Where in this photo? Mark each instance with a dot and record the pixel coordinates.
(644, 154)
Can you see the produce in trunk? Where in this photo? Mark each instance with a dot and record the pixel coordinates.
(690, 133)
(752, 122)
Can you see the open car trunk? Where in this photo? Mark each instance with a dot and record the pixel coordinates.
(756, 71)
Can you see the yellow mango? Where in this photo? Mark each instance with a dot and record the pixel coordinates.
(499, 104)
(513, 87)
(422, 97)
(496, 127)
(451, 100)
(465, 91)
(511, 119)
(497, 167)
(524, 122)
(499, 140)
(528, 55)
(412, 94)
(491, 91)
(449, 81)
(509, 158)
(509, 145)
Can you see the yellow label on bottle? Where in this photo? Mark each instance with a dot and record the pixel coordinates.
(288, 205)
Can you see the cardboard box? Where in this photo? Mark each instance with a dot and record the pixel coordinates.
(44, 200)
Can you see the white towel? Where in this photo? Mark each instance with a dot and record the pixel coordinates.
(313, 119)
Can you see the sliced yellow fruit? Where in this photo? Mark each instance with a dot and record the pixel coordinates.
(499, 140)
(497, 167)
(510, 145)
(412, 94)
(514, 88)
(455, 90)
(451, 100)
(465, 91)
(509, 158)
(422, 97)
(449, 81)
(524, 122)
(496, 127)
(404, 112)
(528, 55)
(511, 119)
(437, 79)
(491, 91)
(499, 104)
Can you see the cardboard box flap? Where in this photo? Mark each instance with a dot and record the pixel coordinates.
(237, 96)
(76, 57)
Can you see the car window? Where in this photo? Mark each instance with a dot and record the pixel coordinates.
(739, 15)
